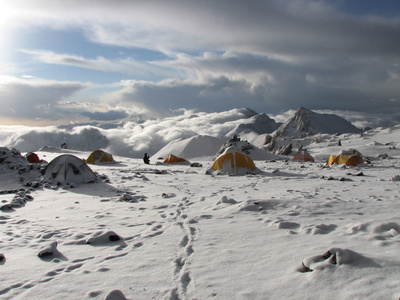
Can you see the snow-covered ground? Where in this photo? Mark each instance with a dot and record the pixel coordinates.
(294, 231)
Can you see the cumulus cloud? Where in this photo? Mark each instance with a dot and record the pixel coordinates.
(131, 138)
(205, 94)
(35, 98)
(152, 134)
(354, 84)
(268, 85)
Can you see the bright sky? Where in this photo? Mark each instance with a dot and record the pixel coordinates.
(63, 61)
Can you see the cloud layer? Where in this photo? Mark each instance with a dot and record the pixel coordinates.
(271, 56)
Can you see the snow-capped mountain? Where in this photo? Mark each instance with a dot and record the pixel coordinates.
(133, 139)
(307, 122)
(259, 124)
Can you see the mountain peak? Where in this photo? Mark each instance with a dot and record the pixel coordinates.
(305, 121)
(259, 124)
(302, 110)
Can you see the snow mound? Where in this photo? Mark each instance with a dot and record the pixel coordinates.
(101, 238)
(200, 147)
(115, 295)
(336, 257)
(48, 250)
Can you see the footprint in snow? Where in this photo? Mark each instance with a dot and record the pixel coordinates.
(280, 224)
(319, 229)
(387, 231)
(184, 241)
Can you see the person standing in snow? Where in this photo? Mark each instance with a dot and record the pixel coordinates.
(146, 159)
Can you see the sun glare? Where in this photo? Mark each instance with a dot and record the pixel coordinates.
(8, 14)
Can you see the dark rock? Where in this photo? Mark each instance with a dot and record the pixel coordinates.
(196, 165)
(7, 207)
(285, 150)
(304, 268)
(114, 237)
(327, 254)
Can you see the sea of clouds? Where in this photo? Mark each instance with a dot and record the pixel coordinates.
(134, 138)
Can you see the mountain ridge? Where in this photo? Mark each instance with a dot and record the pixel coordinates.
(307, 122)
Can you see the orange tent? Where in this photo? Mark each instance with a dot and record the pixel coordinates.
(172, 159)
(303, 155)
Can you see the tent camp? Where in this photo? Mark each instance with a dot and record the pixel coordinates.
(172, 159)
(33, 158)
(233, 162)
(68, 169)
(99, 156)
(303, 155)
(350, 157)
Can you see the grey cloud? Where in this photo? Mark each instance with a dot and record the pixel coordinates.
(279, 55)
(271, 85)
(105, 116)
(294, 28)
(210, 94)
(35, 98)
(363, 120)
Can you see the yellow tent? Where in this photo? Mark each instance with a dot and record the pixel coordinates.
(172, 159)
(100, 156)
(350, 157)
(233, 162)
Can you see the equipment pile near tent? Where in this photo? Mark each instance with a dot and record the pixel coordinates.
(351, 157)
